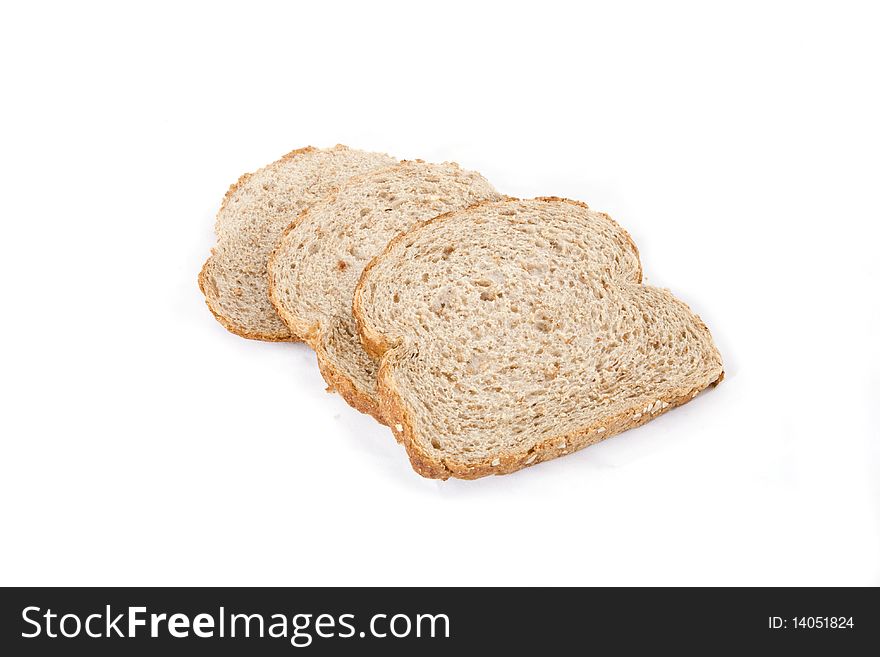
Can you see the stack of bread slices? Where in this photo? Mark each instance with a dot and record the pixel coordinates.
(489, 333)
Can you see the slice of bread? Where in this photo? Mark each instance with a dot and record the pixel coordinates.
(514, 332)
(254, 213)
(314, 269)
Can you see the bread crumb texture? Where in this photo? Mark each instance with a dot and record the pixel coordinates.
(253, 216)
(318, 262)
(516, 331)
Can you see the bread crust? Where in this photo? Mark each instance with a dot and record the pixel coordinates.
(397, 417)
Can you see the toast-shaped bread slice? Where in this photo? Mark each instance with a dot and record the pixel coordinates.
(316, 265)
(252, 217)
(514, 332)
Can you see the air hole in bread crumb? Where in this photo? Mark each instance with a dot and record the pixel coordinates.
(435, 443)
(342, 265)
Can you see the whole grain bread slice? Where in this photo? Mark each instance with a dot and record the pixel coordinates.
(317, 263)
(252, 217)
(515, 332)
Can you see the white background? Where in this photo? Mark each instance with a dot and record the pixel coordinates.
(143, 444)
